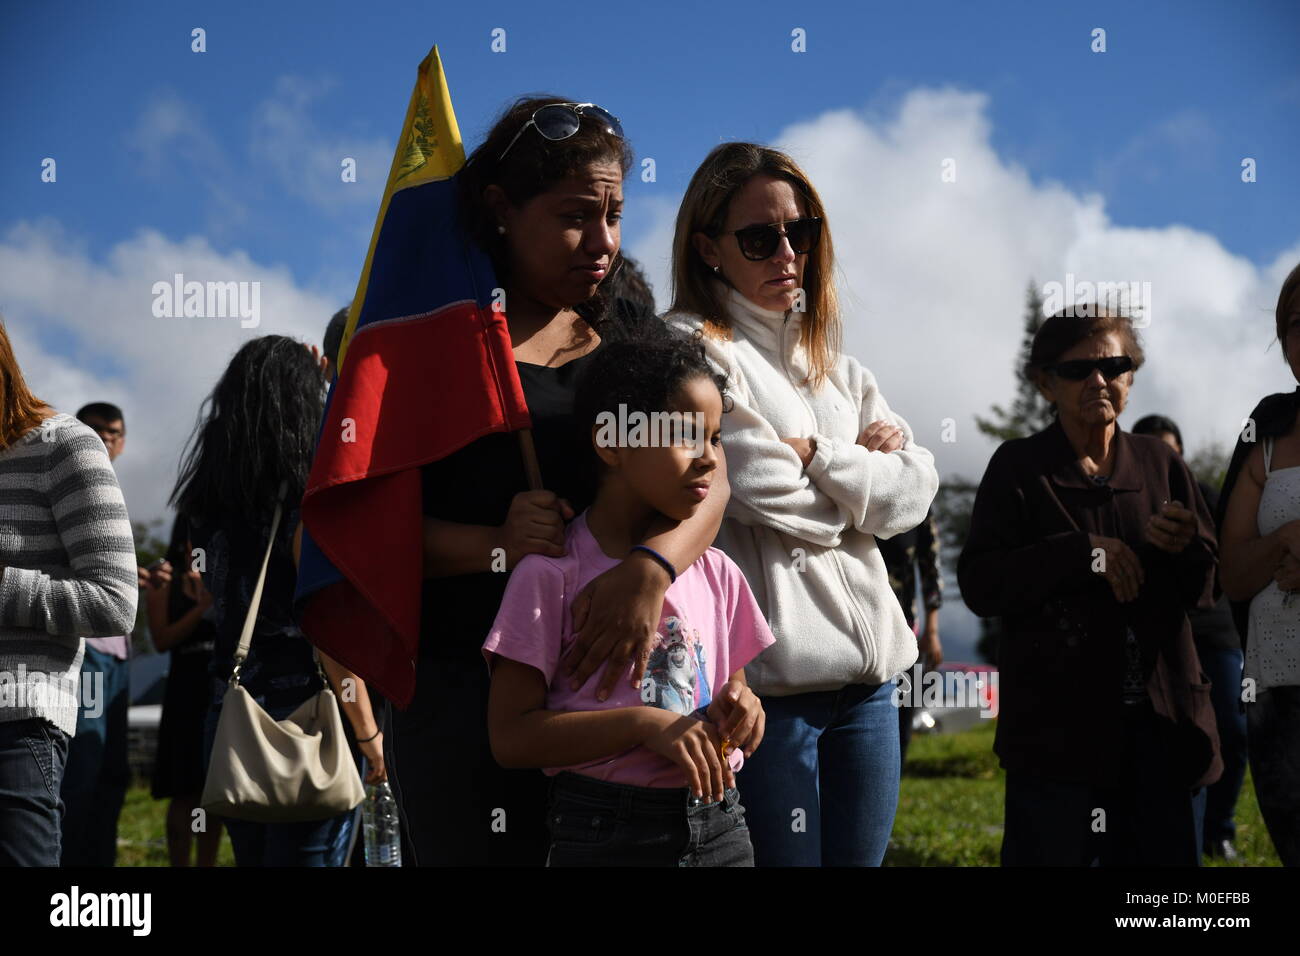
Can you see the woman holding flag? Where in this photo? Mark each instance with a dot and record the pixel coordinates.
(538, 206)
(547, 210)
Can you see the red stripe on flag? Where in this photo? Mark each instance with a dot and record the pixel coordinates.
(412, 391)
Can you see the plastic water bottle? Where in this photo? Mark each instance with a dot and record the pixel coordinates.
(379, 822)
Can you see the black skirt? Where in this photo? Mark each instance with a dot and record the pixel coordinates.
(179, 769)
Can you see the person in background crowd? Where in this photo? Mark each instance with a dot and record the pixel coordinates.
(1219, 649)
(629, 291)
(1090, 544)
(907, 555)
(1260, 516)
(67, 571)
(367, 708)
(256, 432)
(821, 466)
(333, 340)
(97, 775)
(180, 623)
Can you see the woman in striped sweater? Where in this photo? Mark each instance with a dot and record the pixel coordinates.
(67, 571)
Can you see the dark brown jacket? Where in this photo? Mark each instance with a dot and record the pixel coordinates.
(1061, 658)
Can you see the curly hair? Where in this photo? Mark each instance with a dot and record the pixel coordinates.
(642, 374)
(257, 429)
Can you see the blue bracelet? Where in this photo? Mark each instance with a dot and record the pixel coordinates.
(672, 573)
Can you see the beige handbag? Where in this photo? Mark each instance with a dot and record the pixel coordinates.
(284, 771)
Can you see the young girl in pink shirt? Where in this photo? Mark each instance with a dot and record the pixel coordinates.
(646, 776)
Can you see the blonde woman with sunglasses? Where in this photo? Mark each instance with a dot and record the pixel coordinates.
(820, 466)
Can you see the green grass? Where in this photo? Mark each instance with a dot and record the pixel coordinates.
(949, 811)
(142, 832)
(951, 799)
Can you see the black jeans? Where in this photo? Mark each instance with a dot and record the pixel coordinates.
(1148, 820)
(594, 823)
(1274, 730)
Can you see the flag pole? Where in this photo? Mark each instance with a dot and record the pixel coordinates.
(529, 451)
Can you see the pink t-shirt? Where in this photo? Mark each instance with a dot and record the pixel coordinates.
(711, 628)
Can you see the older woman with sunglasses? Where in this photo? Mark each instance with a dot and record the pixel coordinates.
(1091, 543)
(819, 466)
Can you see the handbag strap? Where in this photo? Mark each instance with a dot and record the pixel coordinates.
(250, 620)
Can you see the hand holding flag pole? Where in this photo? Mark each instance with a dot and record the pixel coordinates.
(425, 367)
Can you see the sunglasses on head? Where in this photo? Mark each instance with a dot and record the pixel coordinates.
(1076, 370)
(557, 121)
(761, 242)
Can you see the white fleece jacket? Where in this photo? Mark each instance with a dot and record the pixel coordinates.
(804, 537)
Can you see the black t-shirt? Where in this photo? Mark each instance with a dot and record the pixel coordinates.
(279, 670)
(1212, 627)
(476, 484)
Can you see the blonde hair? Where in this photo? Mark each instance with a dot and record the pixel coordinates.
(704, 209)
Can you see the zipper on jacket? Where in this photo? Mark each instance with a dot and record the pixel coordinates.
(859, 615)
(786, 372)
(855, 608)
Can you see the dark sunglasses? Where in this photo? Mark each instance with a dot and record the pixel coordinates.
(558, 121)
(1076, 370)
(761, 242)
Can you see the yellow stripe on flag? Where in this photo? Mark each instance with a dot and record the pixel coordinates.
(429, 149)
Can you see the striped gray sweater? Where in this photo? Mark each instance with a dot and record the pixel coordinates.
(69, 567)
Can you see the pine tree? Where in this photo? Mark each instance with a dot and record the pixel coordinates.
(1030, 412)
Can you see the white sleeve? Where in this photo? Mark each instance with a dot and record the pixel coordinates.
(883, 493)
(768, 485)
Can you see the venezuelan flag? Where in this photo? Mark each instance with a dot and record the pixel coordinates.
(425, 368)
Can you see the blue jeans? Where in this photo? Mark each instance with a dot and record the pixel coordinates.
(594, 823)
(32, 756)
(1149, 818)
(1224, 670)
(822, 788)
(97, 774)
(307, 843)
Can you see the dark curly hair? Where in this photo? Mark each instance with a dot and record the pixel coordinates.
(257, 429)
(642, 373)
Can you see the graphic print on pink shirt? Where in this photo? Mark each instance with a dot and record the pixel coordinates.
(673, 675)
(711, 627)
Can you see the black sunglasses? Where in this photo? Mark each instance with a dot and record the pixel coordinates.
(1076, 370)
(557, 121)
(761, 242)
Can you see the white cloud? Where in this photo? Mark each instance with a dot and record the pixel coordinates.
(172, 141)
(306, 159)
(934, 274)
(71, 317)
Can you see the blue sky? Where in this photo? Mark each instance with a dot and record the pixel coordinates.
(1159, 122)
(225, 164)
